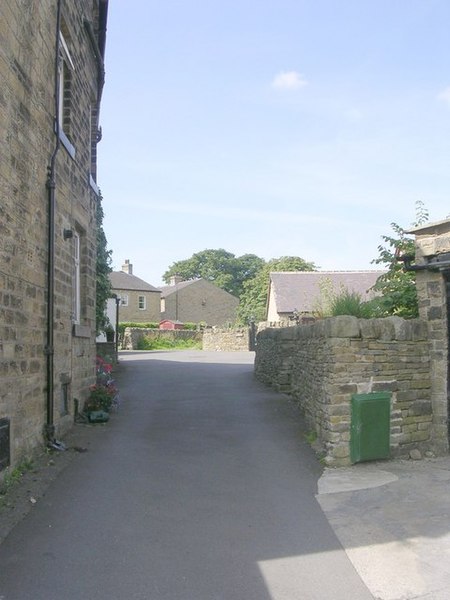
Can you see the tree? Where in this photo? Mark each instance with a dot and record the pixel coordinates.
(103, 269)
(220, 267)
(254, 299)
(397, 286)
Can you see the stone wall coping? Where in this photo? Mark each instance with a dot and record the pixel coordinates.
(346, 326)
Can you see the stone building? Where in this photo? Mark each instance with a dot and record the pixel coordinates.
(51, 80)
(139, 302)
(432, 266)
(310, 293)
(197, 301)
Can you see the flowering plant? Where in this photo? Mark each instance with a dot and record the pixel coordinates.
(103, 395)
(103, 370)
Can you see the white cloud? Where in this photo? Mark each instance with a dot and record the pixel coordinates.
(445, 95)
(289, 80)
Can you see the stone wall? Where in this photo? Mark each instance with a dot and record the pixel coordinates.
(433, 292)
(322, 365)
(226, 340)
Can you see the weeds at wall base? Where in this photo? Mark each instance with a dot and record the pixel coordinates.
(12, 476)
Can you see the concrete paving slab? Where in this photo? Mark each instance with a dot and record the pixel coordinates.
(393, 519)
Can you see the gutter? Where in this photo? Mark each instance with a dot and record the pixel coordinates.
(439, 262)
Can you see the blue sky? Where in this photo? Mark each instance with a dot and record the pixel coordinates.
(272, 127)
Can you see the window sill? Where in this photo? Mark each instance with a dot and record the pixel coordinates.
(81, 331)
(66, 143)
(93, 185)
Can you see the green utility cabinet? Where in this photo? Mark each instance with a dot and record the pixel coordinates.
(370, 426)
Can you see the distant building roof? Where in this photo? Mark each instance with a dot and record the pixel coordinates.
(299, 290)
(166, 290)
(125, 281)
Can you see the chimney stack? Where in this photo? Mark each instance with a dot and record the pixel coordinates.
(127, 267)
(175, 279)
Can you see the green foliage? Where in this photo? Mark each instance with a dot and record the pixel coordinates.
(145, 343)
(192, 326)
(220, 267)
(311, 436)
(101, 397)
(103, 269)
(254, 298)
(397, 286)
(351, 303)
(12, 476)
(124, 324)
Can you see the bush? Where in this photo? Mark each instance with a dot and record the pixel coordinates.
(351, 303)
(145, 343)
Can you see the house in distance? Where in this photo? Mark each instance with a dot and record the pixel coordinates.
(139, 302)
(307, 293)
(197, 301)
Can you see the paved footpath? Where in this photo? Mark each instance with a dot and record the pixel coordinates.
(201, 487)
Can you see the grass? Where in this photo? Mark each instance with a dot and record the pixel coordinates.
(311, 437)
(145, 343)
(12, 476)
(351, 303)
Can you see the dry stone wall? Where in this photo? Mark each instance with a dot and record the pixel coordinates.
(226, 340)
(322, 365)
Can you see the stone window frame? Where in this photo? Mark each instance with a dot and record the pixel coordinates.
(79, 284)
(76, 279)
(142, 302)
(96, 136)
(124, 300)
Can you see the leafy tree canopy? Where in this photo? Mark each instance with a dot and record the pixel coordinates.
(254, 298)
(397, 286)
(218, 266)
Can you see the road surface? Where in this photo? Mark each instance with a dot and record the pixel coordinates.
(201, 487)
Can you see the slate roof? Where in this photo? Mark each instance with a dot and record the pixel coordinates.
(123, 281)
(300, 290)
(166, 290)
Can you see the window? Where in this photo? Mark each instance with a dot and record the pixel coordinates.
(64, 400)
(163, 305)
(76, 284)
(141, 302)
(124, 300)
(66, 68)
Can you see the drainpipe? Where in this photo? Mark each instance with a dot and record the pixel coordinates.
(49, 430)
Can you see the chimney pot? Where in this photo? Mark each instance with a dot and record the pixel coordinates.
(175, 279)
(127, 267)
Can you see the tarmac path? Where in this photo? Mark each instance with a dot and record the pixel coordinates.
(201, 487)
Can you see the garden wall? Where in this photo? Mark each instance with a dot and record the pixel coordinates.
(323, 364)
(226, 340)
